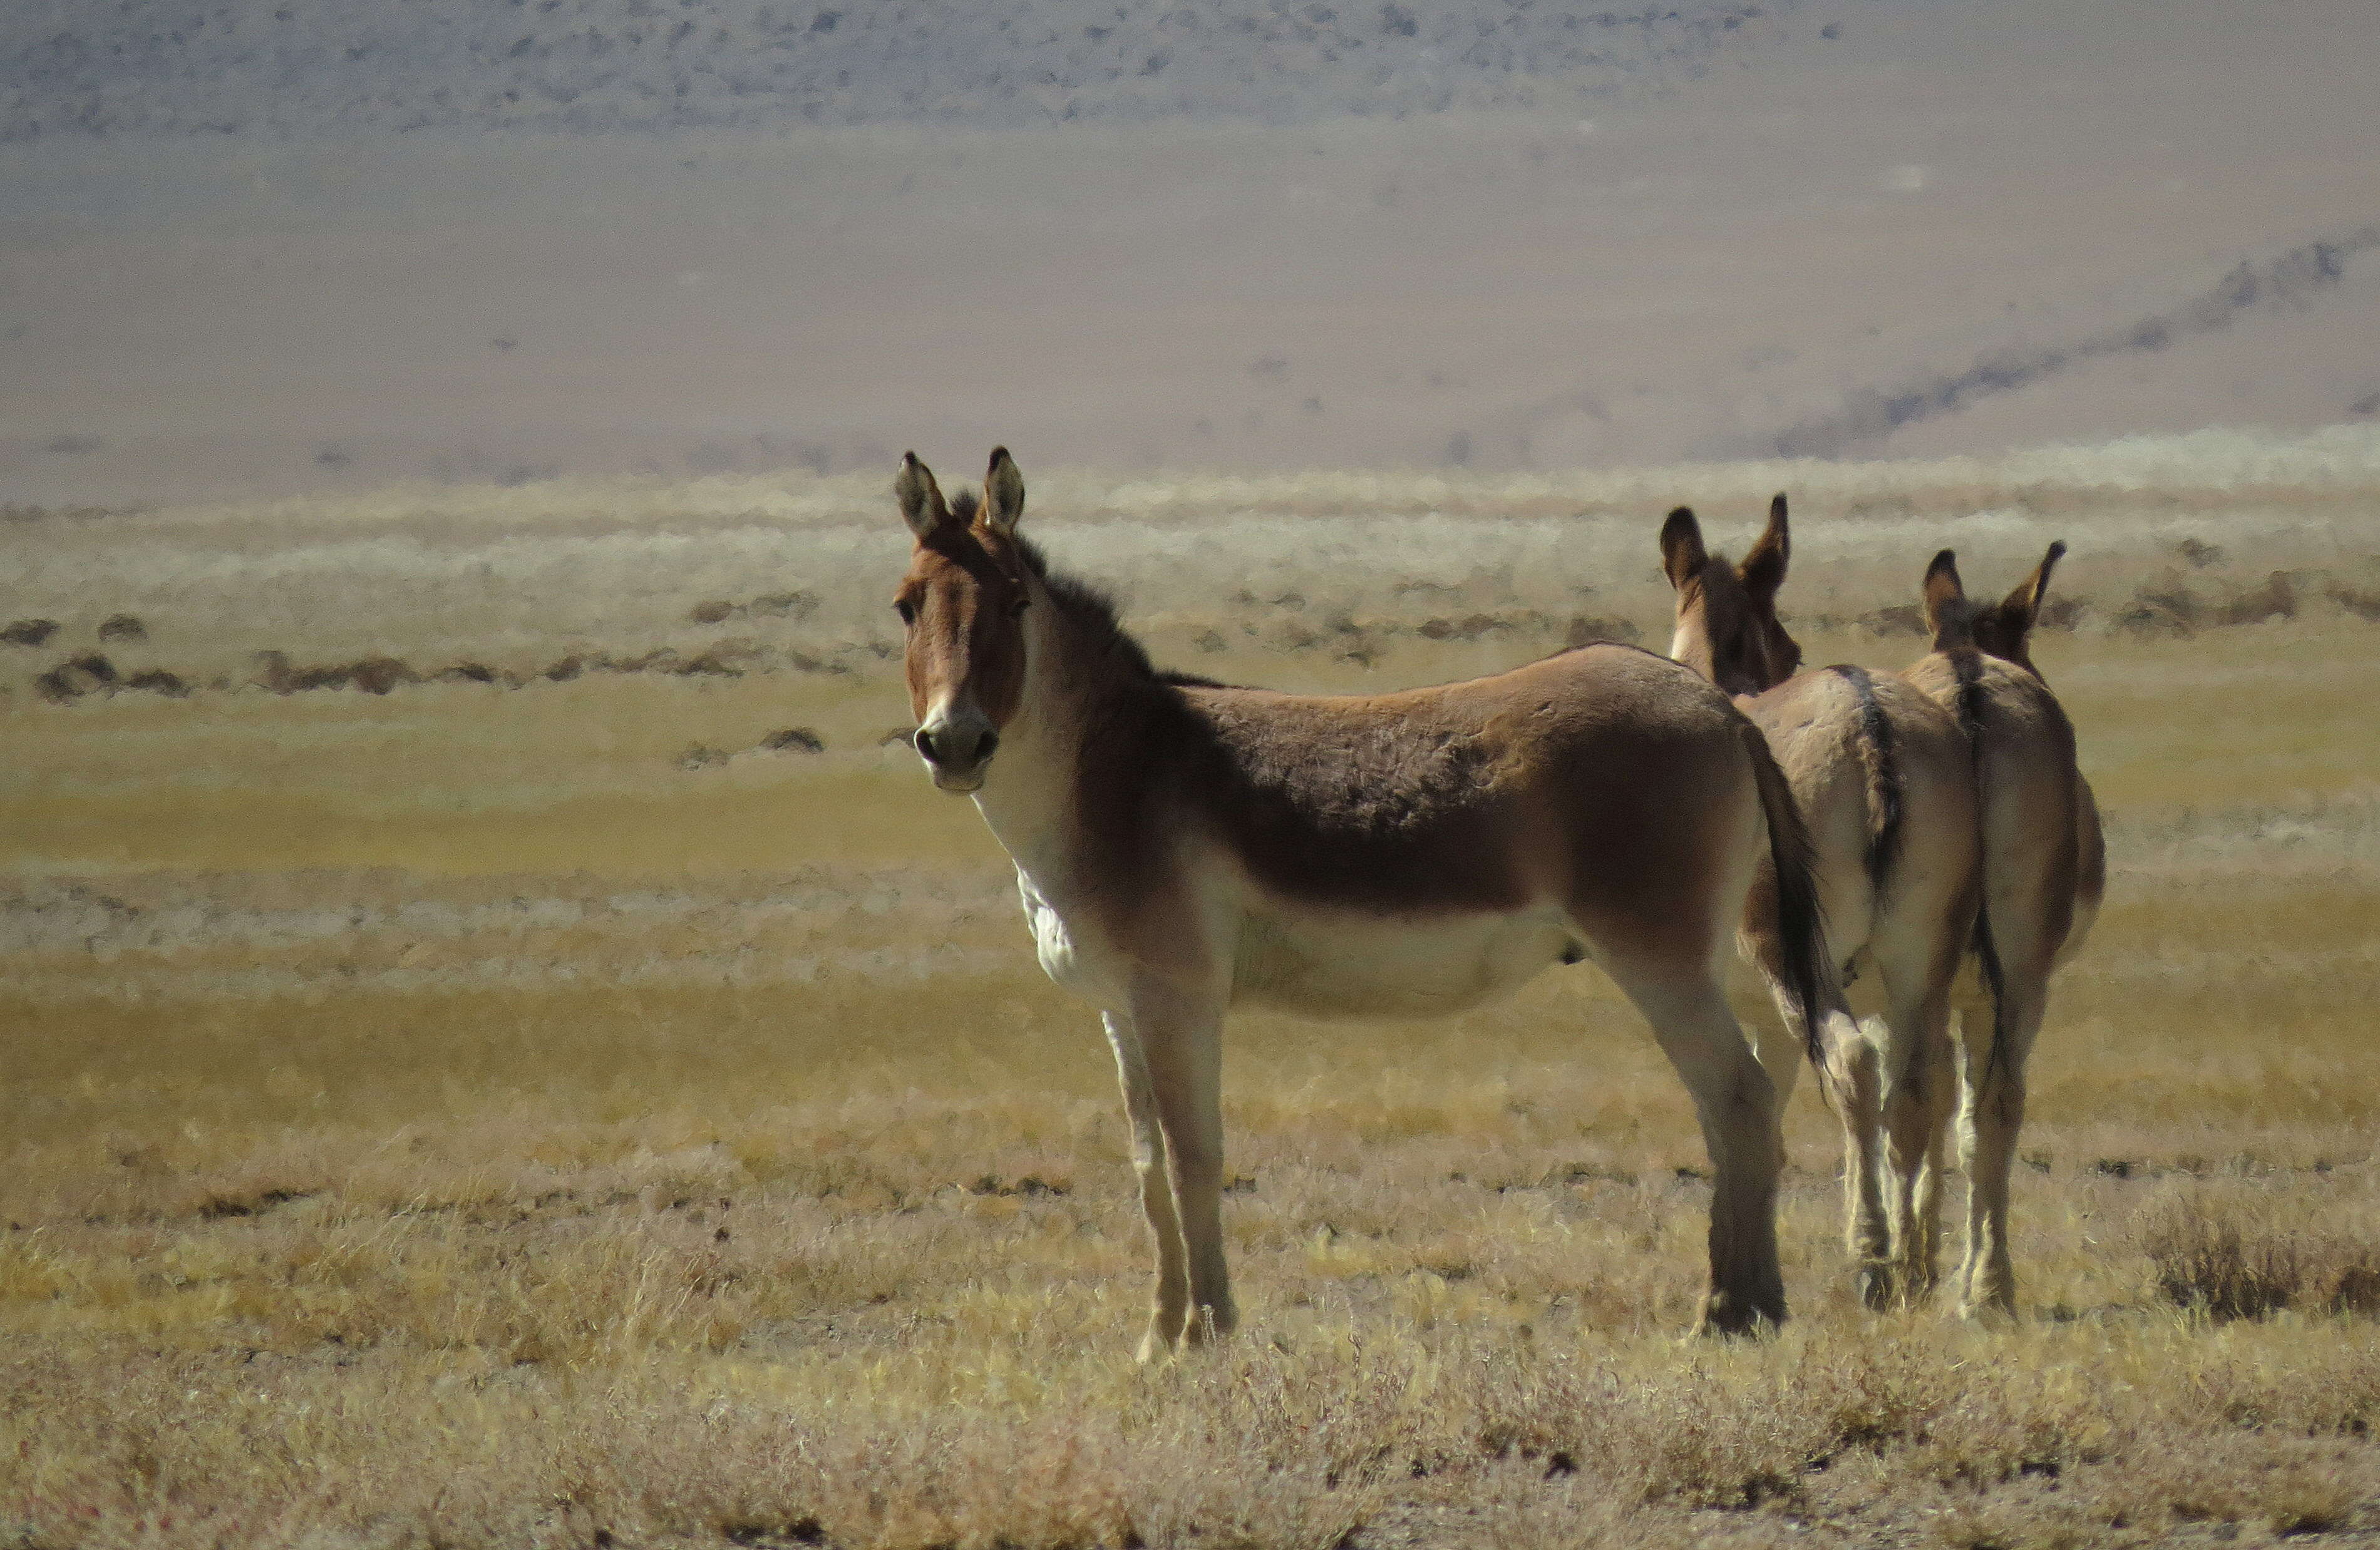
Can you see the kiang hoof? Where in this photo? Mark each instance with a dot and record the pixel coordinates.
(1208, 1325)
(1723, 1319)
(1879, 1289)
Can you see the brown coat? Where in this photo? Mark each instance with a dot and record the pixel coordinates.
(1882, 776)
(1183, 846)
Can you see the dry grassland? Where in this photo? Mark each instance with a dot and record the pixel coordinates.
(482, 1114)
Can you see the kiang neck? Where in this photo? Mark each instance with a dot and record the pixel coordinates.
(1028, 790)
(1689, 647)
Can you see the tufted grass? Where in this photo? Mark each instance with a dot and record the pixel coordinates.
(455, 1118)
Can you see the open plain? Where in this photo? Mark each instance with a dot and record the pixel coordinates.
(499, 1049)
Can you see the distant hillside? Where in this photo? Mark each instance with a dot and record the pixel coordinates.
(298, 67)
(1858, 228)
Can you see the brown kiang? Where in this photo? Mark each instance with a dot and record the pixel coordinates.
(2045, 869)
(1183, 847)
(1887, 785)
(1958, 858)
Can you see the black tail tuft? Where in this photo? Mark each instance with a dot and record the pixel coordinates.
(1968, 668)
(1880, 764)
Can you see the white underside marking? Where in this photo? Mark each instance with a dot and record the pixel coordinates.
(1071, 961)
(1319, 962)
(1323, 962)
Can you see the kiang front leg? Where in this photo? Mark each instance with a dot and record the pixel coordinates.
(1171, 1299)
(1181, 1034)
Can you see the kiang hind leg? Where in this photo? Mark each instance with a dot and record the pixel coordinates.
(1921, 1087)
(1735, 1102)
(1857, 1089)
(1853, 1084)
(1996, 1035)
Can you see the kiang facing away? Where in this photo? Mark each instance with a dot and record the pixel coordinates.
(1887, 785)
(2044, 868)
(1183, 847)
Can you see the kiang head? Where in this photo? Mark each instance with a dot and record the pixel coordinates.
(963, 606)
(2003, 630)
(1727, 626)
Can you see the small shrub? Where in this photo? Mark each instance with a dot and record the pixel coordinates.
(378, 675)
(783, 605)
(2204, 1260)
(373, 675)
(717, 610)
(2363, 604)
(793, 740)
(2061, 613)
(1583, 630)
(28, 631)
(2355, 1289)
(2310, 1503)
(1901, 619)
(156, 680)
(1470, 627)
(76, 677)
(123, 626)
(2276, 598)
(2166, 607)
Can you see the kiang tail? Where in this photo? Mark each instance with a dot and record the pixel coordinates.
(1879, 761)
(1805, 962)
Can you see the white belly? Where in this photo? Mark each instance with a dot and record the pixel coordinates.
(1345, 962)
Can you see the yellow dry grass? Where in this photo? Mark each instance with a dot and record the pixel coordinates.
(457, 1117)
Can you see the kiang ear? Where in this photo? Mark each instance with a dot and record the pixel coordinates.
(1762, 570)
(1946, 611)
(1682, 555)
(921, 497)
(1003, 493)
(2021, 607)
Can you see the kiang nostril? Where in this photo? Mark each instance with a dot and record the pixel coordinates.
(925, 740)
(983, 749)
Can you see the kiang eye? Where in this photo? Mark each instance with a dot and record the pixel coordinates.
(1018, 607)
(908, 614)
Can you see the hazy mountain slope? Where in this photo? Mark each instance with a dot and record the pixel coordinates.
(1945, 229)
(313, 67)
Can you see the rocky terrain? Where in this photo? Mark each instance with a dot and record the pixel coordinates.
(300, 67)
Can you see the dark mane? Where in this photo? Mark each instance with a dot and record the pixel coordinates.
(1093, 613)
(963, 506)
